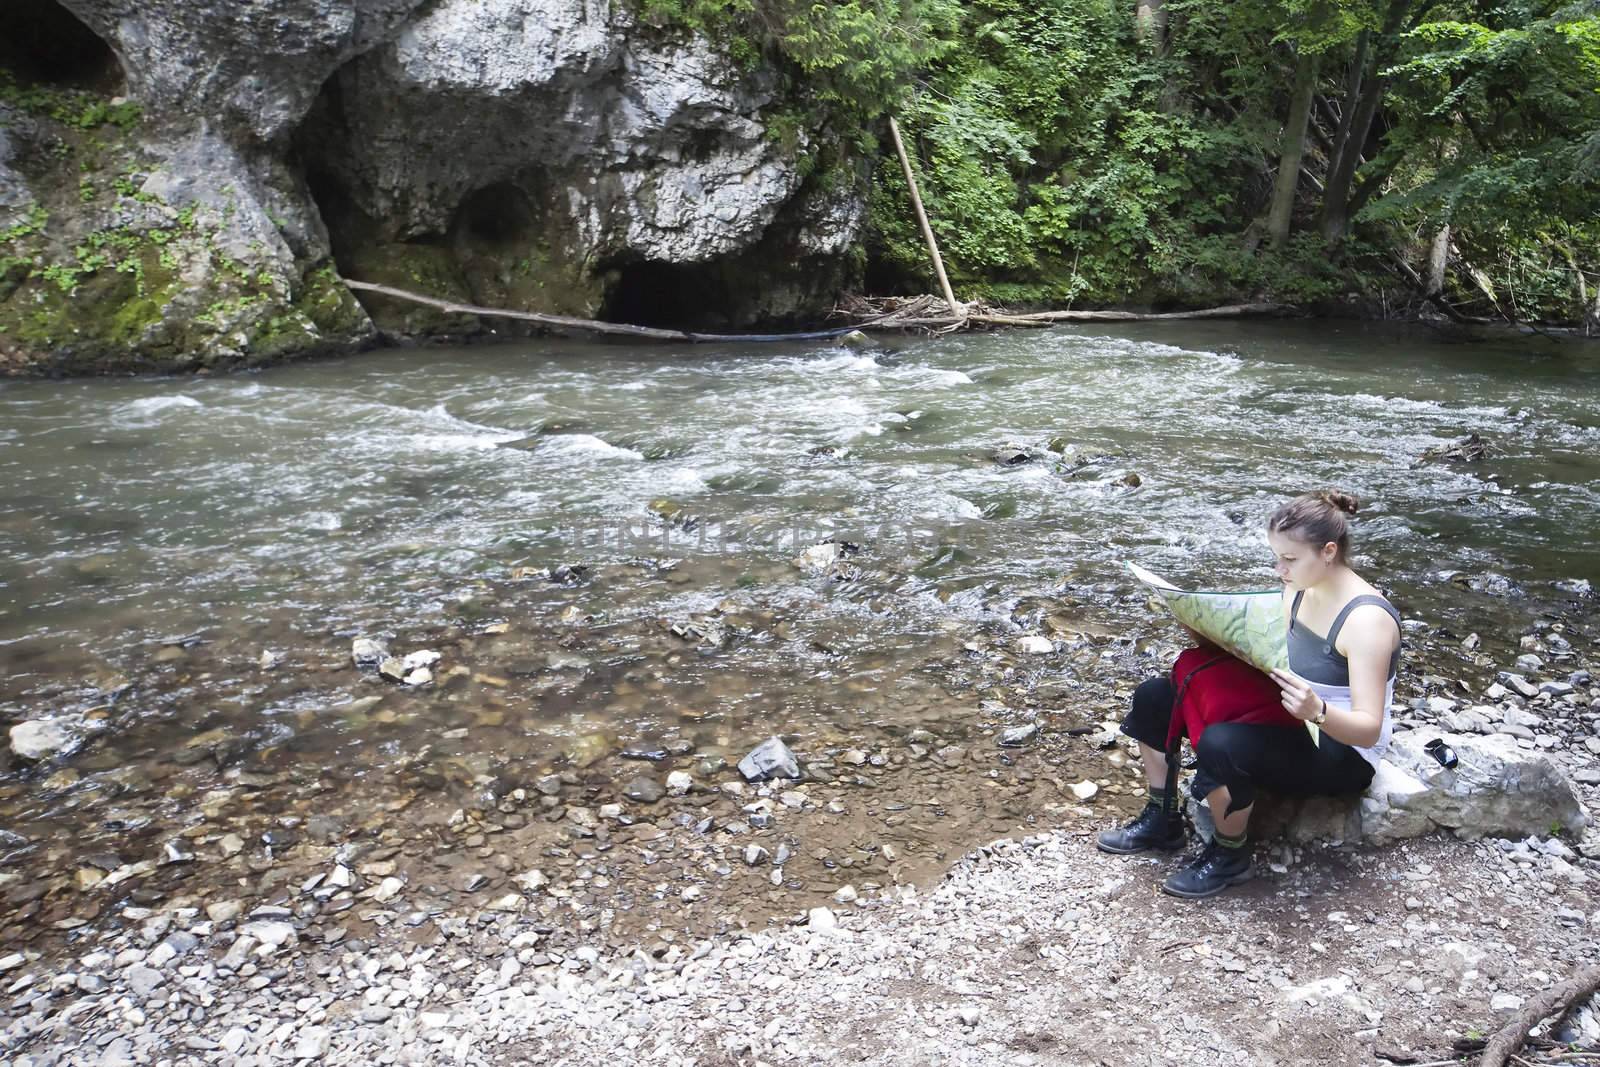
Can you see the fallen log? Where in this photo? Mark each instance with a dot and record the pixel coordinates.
(615, 329)
(1560, 998)
(899, 314)
(1231, 311)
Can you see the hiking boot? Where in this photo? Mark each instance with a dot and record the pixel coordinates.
(1215, 869)
(1153, 829)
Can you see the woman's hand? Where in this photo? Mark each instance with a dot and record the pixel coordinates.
(1299, 699)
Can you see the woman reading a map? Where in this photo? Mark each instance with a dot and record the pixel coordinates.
(1250, 729)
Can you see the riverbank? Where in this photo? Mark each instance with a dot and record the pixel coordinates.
(589, 914)
(1039, 951)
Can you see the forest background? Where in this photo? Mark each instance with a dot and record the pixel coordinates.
(1383, 155)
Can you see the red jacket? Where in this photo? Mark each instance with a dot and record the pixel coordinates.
(1213, 686)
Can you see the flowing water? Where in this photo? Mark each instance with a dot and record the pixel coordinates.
(159, 535)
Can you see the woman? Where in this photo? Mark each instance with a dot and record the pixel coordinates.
(1344, 650)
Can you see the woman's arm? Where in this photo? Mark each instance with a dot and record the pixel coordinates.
(1367, 641)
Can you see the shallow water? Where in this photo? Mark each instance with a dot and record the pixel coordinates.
(158, 535)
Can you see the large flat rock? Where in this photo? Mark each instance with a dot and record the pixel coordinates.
(1496, 789)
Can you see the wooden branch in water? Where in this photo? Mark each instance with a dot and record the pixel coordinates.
(911, 315)
(1231, 311)
(616, 329)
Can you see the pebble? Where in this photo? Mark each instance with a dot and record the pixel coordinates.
(1019, 735)
(311, 1043)
(644, 789)
(142, 980)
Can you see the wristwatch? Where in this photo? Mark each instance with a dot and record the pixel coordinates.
(1322, 716)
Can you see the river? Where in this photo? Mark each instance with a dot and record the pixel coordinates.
(600, 542)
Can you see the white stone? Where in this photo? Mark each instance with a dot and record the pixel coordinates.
(417, 660)
(679, 783)
(270, 932)
(1084, 790)
(1034, 645)
(821, 919)
(311, 1043)
(770, 759)
(39, 739)
(819, 559)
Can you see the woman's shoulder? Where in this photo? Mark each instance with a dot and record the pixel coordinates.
(1371, 623)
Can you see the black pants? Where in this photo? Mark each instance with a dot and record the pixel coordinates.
(1246, 756)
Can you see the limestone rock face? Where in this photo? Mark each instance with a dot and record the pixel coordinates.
(538, 155)
(658, 144)
(253, 67)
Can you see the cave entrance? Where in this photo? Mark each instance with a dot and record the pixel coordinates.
(667, 296)
(494, 220)
(42, 42)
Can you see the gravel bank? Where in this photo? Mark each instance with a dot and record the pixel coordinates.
(1039, 951)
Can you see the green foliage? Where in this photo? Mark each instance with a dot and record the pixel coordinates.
(1062, 158)
(79, 108)
(855, 57)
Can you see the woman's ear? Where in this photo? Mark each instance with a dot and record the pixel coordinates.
(1330, 552)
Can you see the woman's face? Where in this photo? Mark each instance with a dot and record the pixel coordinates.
(1299, 564)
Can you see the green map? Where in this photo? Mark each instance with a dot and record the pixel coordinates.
(1249, 625)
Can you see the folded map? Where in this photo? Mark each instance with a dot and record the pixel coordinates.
(1249, 625)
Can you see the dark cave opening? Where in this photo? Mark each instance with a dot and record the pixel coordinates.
(42, 42)
(667, 296)
(495, 218)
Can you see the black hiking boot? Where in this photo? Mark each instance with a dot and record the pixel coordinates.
(1154, 829)
(1215, 869)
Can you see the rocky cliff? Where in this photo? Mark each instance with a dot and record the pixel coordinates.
(181, 184)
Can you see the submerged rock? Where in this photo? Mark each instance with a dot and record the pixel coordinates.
(770, 759)
(644, 789)
(39, 739)
(368, 651)
(1019, 735)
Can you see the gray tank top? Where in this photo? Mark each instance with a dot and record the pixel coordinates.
(1316, 659)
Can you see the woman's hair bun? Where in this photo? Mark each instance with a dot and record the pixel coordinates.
(1343, 501)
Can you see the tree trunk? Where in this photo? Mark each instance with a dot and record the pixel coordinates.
(1150, 23)
(1438, 259)
(1336, 210)
(1352, 93)
(1336, 203)
(1294, 146)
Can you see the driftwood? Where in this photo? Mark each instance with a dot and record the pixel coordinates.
(931, 313)
(922, 215)
(892, 313)
(566, 322)
(1560, 998)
